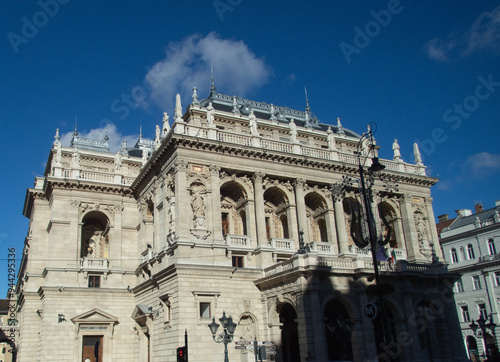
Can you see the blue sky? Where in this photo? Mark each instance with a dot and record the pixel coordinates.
(424, 71)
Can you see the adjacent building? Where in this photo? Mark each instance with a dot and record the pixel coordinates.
(240, 207)
(470, 243)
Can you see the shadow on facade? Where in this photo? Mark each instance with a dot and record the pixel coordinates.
(320, 317)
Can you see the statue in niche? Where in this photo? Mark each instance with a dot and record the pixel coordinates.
(425, 247)
(95, 244)
(210, 114)
(198, 206)
(246, 328)
(293, 130)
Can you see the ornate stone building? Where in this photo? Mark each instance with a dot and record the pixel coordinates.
(128, 250)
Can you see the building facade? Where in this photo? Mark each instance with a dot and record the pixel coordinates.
(126, 251)
(470, 243)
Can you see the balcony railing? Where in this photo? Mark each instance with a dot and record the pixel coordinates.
(147, 255)
(242, 241)
(282, 244)
(94, 264)
(322, 247)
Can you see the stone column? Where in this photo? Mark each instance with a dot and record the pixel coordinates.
(301, 207)
(409, 229)
(400, 236)
(75, 229)
(260, 216)
(331, 230)
(216, 208)
(432, 227)
(116, 240)
(183, 203)
(338, 195)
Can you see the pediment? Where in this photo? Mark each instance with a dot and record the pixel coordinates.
(141, 310)
(95, 316)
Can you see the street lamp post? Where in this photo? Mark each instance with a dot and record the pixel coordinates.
(227, 335)
(484, 327)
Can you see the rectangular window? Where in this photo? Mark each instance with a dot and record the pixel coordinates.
(497, 279)
(94, 281)
(465, 313)
(205, 311)
(491, 247)
(482, 310)
(476, 282)
(460, 286)
(237, 261)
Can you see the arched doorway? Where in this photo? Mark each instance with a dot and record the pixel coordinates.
(472, 349)
(289, 334)
(338, 327)
(390, 334)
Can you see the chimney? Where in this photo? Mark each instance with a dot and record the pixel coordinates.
(463, 212)
(479, 207)
(443, 217)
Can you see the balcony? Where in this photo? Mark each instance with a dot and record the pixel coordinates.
(238, 241)
(94, 264)
(322, 247)
(283, 245)
(147, 255)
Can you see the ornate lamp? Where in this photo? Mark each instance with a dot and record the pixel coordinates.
(227, 335)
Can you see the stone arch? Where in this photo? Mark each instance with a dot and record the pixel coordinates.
(277, 204)
(354, 221)
(95, 235)
(289, 349)
(388, 218)
(348, 303)
(234, 208)
(316, 209)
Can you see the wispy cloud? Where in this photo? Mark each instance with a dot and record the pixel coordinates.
(115, 137)
(483, 164)
(187, 64)
(483, 34)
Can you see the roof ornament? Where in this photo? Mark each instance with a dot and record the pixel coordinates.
(106, 138)
(307, 117)
(273, 113)
(212, 83)
(157, 137)
(140, 132)
(124, 150)
(417, 155)
(340, 129)
(57, 138)
(178, 108)
(235, 106)
(195, 96)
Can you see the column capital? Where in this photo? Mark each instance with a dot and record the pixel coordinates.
(181, 165)
(299, 183)
(258, 177)
(214, 170)
(338, 192)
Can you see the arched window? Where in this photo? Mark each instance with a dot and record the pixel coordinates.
(470, 251)
(289, 334)
(94, 238)
(454, 255)
(491, 247)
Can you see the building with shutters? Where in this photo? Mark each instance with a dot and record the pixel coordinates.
(240, 207)
(470, 243)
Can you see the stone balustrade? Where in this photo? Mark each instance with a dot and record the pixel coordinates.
(94, 264)
(240, 241)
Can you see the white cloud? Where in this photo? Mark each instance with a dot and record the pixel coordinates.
(484, 34)
(482, 164)
(115, 137)
(237, 69)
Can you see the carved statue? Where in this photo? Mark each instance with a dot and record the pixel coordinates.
(157, 137)
(330, 139)
(76, 159)
(253, 124)
(395, 148)
(145, 155)
(95, 244)
(118, 160)
(166, 125)
(210, 114)
(198, 204)
(420, 226)
(293, 130)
